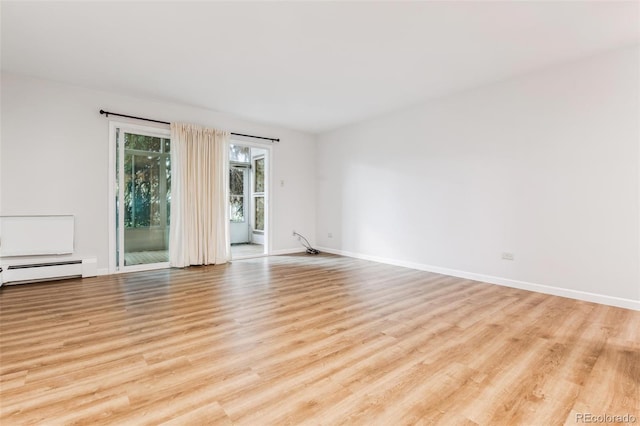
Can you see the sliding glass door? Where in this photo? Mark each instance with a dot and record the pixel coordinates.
(143, 179)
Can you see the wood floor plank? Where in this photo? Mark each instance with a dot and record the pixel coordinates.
(309, 340)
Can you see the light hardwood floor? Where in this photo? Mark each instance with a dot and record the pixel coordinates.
(309, 339)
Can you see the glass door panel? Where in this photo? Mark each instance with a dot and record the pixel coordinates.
(144, 199)
(238, 199)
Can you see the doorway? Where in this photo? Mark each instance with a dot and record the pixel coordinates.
(248, 200)
(141, 200)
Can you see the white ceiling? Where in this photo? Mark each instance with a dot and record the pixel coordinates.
(312, 66)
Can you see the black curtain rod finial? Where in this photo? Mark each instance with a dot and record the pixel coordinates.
(106, 113)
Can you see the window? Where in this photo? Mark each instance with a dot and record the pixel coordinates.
(259, 214)
(238, 182)
(258, 193)
(236, 194)
(259, 175)
(239, 154)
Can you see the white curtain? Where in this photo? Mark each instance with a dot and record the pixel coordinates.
(199, 230)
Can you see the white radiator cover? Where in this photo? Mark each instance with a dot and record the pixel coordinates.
(26, 246)
(18, 271)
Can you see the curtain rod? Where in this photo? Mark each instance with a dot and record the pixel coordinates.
(107, 113)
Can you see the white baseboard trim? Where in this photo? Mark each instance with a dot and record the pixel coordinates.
(103, 271)
(523, 285)
(287, 251)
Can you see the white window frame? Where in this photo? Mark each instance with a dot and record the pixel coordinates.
(254, 194)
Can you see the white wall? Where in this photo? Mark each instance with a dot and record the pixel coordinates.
(54, 158)
(545, 166)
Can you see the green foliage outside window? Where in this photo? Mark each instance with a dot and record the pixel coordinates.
(147, 181)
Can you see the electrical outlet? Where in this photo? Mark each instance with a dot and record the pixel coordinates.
(293, 234)
(507, 256)
(330, 235)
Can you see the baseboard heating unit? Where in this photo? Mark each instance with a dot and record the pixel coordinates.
(41, 248)
(28, 270)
